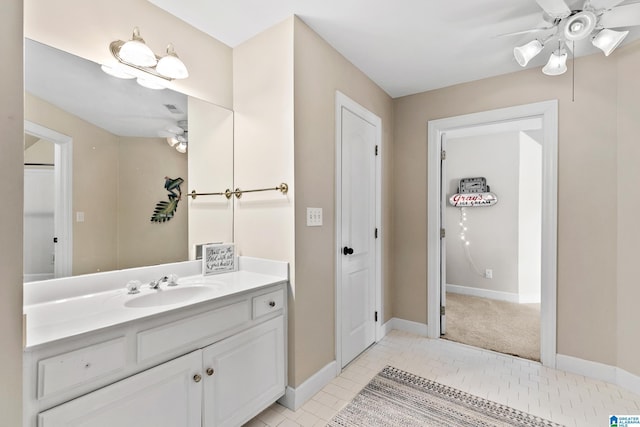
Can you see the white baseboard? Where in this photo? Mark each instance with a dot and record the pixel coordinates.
(294, 398)
(599, 371)
(406, 326)
(496, 295)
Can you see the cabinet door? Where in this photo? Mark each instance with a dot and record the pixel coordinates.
(244, 374)
(164, 396)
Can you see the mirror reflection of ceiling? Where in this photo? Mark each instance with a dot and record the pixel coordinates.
(405, 47)
(122, 107)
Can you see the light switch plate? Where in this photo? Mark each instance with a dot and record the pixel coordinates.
(314, 217)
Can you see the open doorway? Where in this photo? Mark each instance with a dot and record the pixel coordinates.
(47, 197)
(492, 211)
(438, 133)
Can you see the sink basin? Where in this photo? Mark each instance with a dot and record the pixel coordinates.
(169, 296)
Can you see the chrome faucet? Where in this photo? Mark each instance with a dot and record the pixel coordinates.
(155, 284)
(170, 280)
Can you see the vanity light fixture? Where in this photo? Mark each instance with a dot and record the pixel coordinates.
(138, 60)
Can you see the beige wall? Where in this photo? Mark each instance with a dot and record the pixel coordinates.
(588, 213)
(628, 158)
(11, 171)
(285, 81)
(40, 152)
(143, 164)
(95, 160)
(319, 71)
(85, 28)
(263, 152)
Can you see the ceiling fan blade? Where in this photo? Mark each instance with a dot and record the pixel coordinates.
(555, 8)
(532, 30)
(605, 4)
(622, 16)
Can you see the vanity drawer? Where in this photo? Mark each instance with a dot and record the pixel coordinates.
(268, 303)
(177, 336)
(68, 370)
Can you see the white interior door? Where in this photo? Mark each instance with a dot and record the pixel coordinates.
(39, 209)
(358, 222)
(443, 240)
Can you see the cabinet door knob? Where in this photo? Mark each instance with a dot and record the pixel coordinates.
(272, 303)
(197, 378)
(210, 371)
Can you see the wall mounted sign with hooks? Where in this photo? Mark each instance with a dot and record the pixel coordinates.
(473, 192)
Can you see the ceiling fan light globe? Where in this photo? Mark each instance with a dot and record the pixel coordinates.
(181, 147)
(608, 40)
(580, 25)
(172, 141)
(527, 52)
(556, 65)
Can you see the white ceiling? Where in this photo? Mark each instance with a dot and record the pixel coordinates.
(405, 46)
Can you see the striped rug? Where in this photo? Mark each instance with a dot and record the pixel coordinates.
(398, 398)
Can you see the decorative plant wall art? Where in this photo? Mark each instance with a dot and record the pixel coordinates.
(165, 210)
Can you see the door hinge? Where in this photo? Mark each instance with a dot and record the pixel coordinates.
(442, 310)
(443, 155)
(442, 233)
(375, 316)
(375, 233)
(376, 150)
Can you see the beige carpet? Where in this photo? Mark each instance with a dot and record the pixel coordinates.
(500, 326)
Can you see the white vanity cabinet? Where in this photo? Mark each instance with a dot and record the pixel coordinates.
(165, 395)
(212, 366)
(244, 374)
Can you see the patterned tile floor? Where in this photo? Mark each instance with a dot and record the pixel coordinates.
(565, 398)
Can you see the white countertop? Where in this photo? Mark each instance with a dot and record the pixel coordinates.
(63, 318)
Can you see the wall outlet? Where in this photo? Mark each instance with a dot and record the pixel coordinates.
(314, 217)
(488, 273)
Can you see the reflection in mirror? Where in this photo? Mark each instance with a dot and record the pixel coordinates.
(118, 133)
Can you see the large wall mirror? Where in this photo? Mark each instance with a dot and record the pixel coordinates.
(97, 162)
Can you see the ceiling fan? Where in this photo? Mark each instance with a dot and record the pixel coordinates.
(565, 26)
(177, 135)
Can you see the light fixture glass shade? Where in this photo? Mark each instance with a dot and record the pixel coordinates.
(525, 53)
(116, 72)
(149, 83)
(182, 147)
(557, 64)
(172, 141)
(171, 66)
(607, 40)
(136, 52)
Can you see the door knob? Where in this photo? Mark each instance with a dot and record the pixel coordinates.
(347, 250)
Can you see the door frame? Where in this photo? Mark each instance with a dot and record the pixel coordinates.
(548, 112)
(63, 182)
(344, 101)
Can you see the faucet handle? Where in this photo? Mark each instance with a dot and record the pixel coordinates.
(172, 280)
(133, 286)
